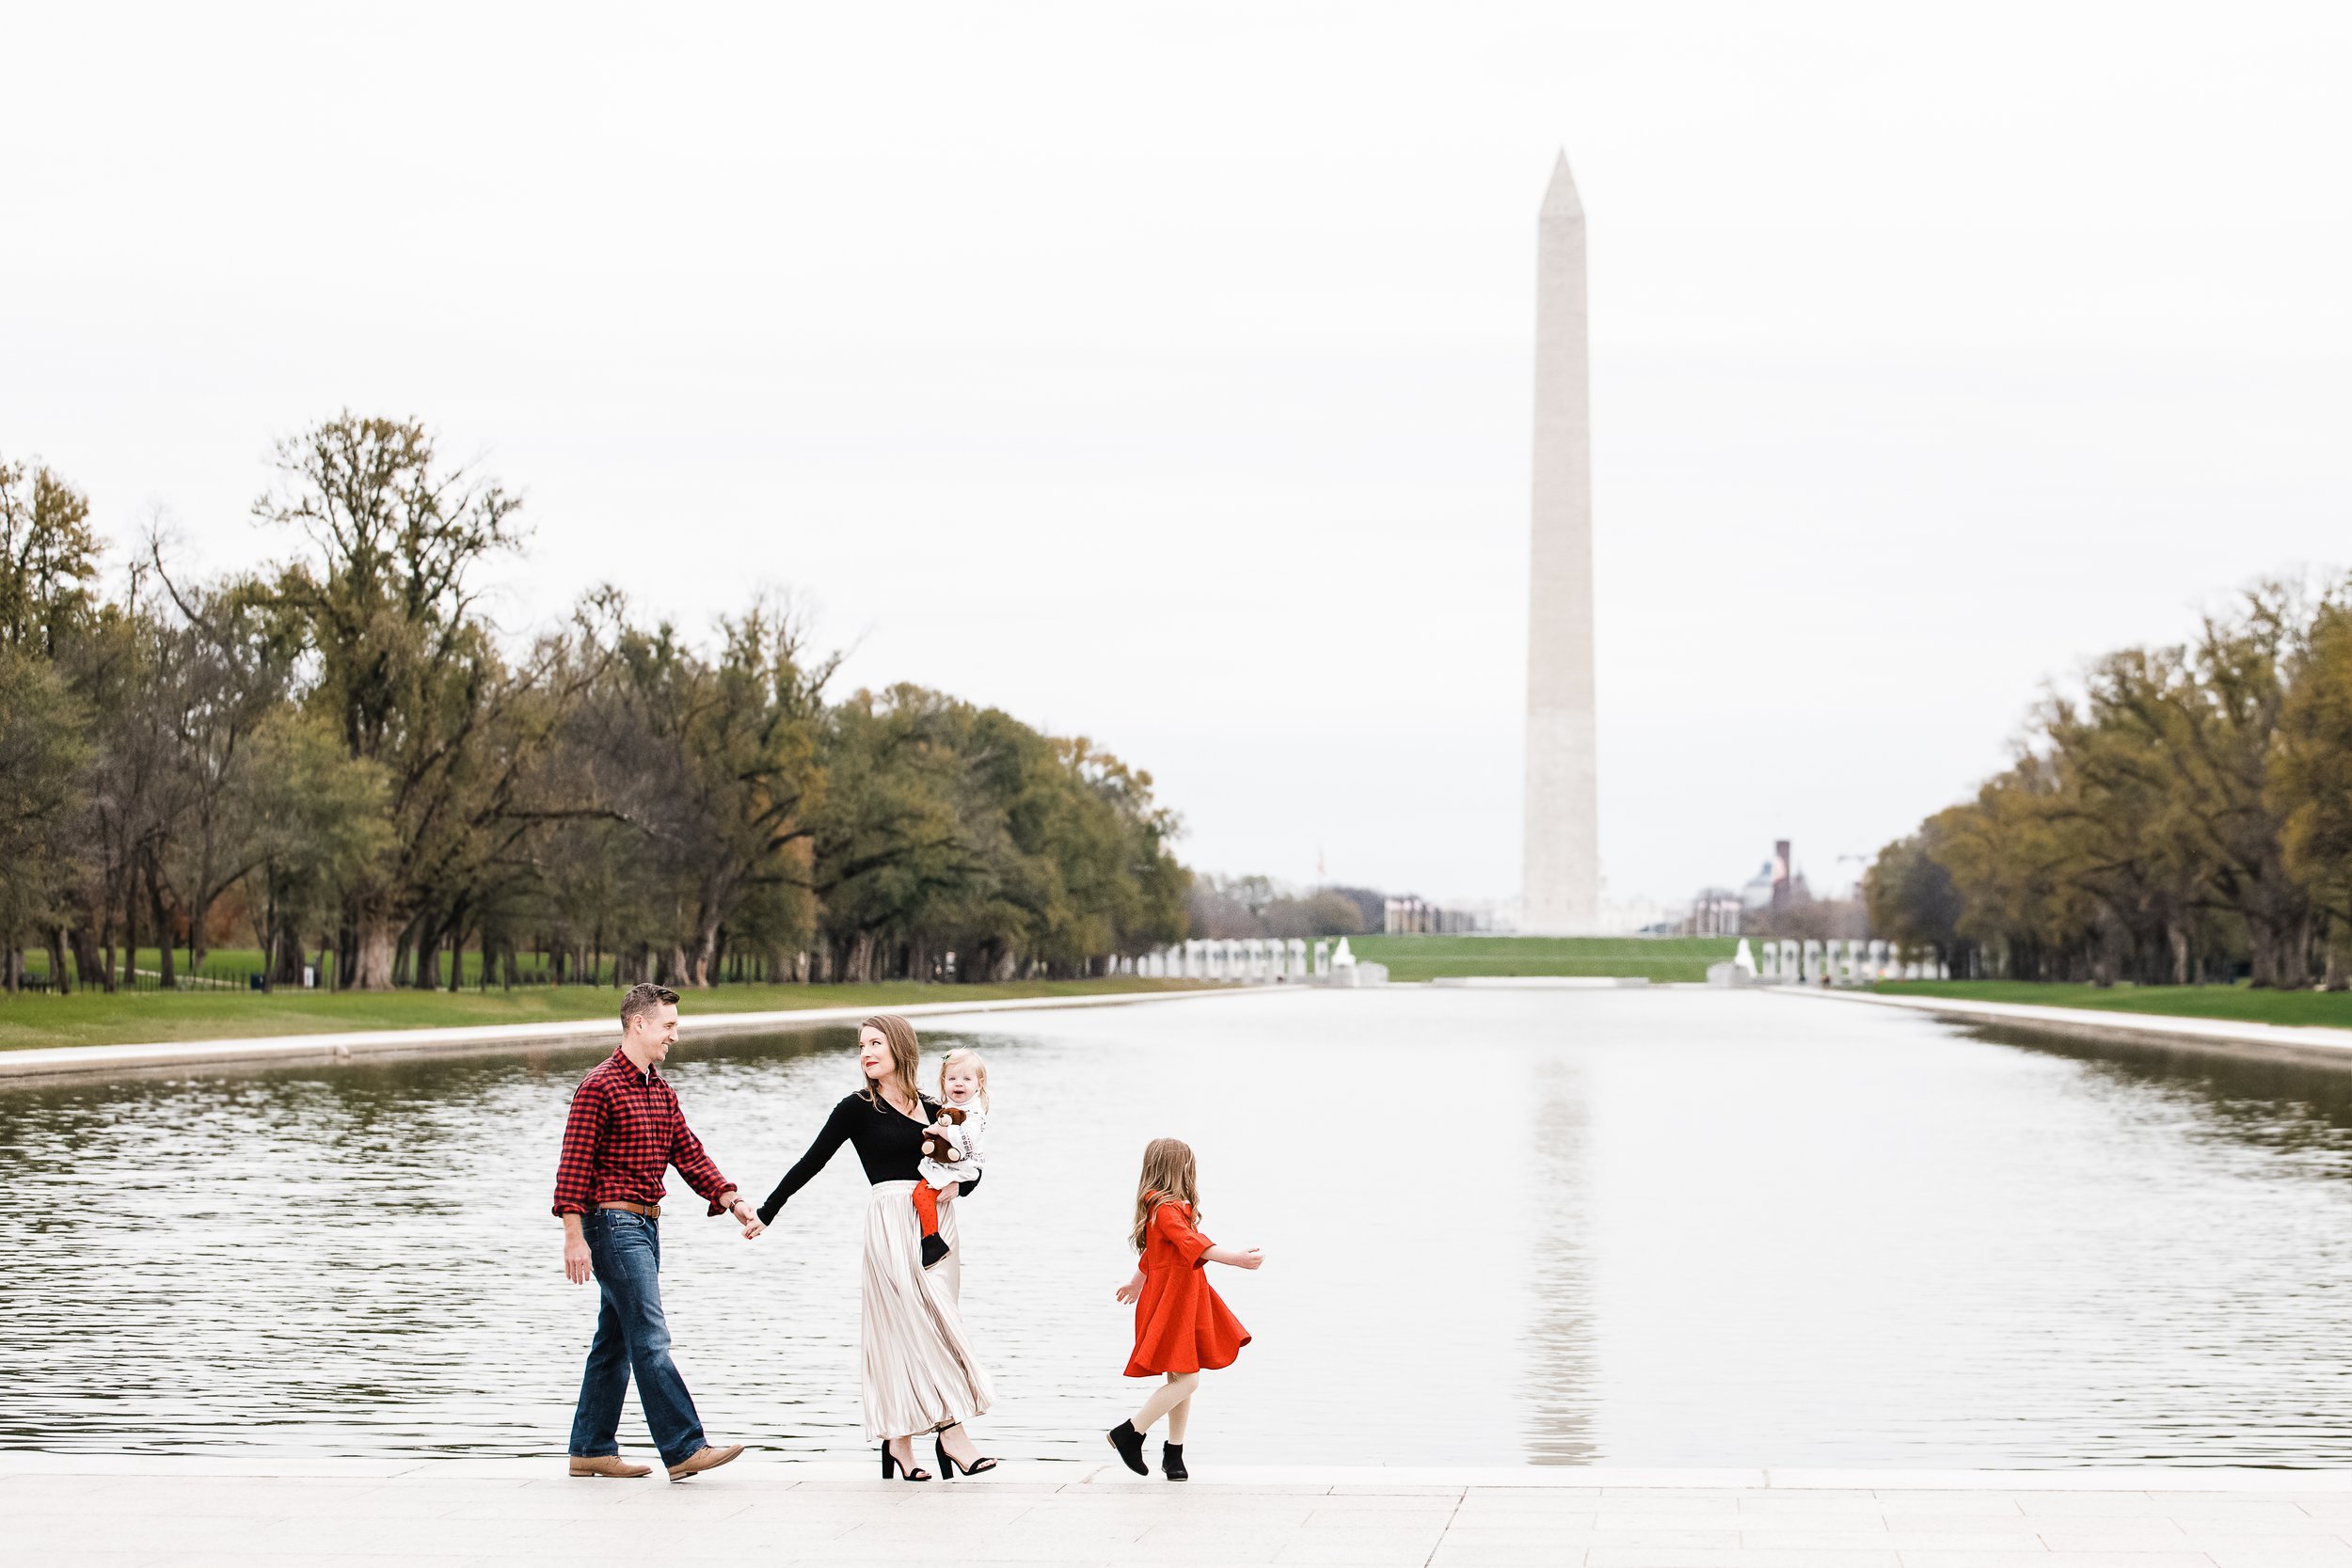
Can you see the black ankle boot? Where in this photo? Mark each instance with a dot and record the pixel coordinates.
(934, 1248)
(1172, 1462)
(1129, 1442)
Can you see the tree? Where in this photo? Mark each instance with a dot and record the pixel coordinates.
(342, 746)
(714, 763)
(48, 609)
(1912, 898)
(409, 672)
(2185, 810)
(41, 754)
(48, 562)
(228, 670)
(319, 823)
(2310, 776)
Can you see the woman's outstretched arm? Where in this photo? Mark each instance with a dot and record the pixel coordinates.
(829, 1141)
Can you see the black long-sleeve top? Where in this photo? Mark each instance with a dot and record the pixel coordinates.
(889, 1146)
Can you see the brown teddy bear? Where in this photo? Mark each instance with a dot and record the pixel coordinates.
(936, 1146)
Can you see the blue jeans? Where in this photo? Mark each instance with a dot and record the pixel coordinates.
(631, 1336)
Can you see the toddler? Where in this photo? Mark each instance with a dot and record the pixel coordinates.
(962, 1086)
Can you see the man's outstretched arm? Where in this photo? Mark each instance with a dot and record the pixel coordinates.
(702, 1174)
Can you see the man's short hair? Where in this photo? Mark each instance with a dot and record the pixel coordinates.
(643, 999)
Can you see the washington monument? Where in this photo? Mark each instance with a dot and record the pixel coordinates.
(1561, 869)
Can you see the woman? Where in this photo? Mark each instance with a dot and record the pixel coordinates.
(918, 1372)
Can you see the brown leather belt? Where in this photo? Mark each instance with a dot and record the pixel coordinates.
(651, 1211)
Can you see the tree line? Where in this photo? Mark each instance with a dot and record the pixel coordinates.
(2187, 817)
(1257, 905)
(339, 752)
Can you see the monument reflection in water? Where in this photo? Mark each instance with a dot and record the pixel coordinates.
(1677, 1227)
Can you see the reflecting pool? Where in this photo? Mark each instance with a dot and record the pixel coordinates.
(1663, 1227)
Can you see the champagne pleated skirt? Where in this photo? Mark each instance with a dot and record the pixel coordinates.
(919, 1370)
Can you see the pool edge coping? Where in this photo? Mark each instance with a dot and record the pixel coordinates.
(57, 1064)
(2304, 1042)
(773, 1469)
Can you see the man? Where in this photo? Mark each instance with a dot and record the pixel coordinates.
(625, 1130)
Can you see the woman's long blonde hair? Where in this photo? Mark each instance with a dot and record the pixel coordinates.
(906, 1060)
(979, 1071)
(1169, 1176)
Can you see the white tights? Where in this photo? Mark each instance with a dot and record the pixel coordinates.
(1173, 1399)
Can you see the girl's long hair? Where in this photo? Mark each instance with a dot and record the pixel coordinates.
(979, 1071)
(906, 1060)
(1168, 1177)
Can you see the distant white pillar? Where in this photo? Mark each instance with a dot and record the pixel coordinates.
(1560, 838)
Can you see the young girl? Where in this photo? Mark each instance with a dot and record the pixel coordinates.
(1181, 1326)
(962, 1084)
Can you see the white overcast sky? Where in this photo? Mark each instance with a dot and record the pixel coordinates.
(1161, 372)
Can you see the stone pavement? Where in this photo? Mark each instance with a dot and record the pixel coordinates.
(117, 1511)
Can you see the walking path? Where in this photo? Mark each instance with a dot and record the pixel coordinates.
(2273, 1040)
(116, 1511)
(107, 1061)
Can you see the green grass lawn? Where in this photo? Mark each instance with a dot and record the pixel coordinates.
(2240, 1002)
(94, 1018)
(1659, 959)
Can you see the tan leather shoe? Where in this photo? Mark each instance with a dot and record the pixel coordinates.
(608, 1464)
(706, 1459)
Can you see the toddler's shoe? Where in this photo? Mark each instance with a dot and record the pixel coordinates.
(1172, 1462)
(1129, 1442)
(934, 1248)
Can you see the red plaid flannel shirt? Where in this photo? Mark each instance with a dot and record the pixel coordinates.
(625, 1128)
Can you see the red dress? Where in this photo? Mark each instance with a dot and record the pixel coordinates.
(1181, 1326)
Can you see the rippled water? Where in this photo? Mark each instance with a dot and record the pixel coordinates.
(1674, 1228)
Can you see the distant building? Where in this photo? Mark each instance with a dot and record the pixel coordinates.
(1411, 916)
(1715, 912)
(1776, 888)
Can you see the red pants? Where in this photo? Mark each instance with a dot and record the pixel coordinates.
(926, 1207)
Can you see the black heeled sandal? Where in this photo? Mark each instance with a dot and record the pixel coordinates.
(947, 1465)
(891, 1467)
